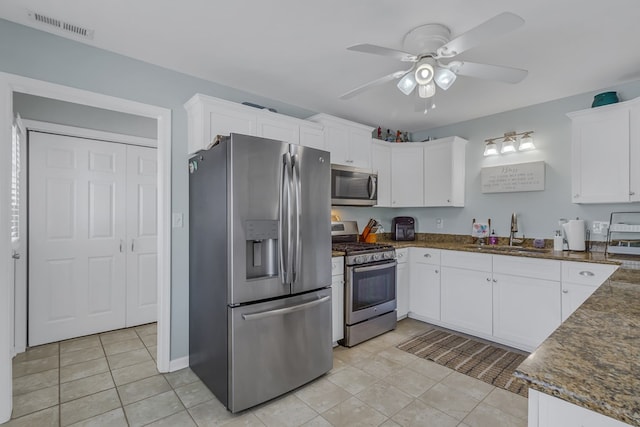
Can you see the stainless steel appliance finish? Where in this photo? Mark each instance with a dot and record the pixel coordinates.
(353, 186)
(260, 268)
(370, 284)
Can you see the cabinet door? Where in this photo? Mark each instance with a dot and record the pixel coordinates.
(407, 184)
(424, 291)
(573, 295)
(402, 290)
(600, 157)
(359, 148)
(278, 129)
(444, 172)
(466, 297)
(525, 310)
(337, 139)
(554, 412)
(381, 162)
(337, 308)
(224, 121)
(312, 137)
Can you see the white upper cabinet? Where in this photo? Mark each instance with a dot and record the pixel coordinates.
(605, 148)
(444, 172)
(279, 127)
(348, 142)
(312, 135)
(381, 163)
(209, 117)
(407, 170)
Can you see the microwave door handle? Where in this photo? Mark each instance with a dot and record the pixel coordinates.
(298, 217)
(372, 186)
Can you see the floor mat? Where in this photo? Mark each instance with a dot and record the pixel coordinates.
(488, 363)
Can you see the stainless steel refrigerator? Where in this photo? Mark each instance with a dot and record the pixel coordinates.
(259, 268)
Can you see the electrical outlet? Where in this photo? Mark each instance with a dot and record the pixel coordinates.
(599, 227)
(439, 223)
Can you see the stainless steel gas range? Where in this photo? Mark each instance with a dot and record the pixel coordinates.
(370, 284)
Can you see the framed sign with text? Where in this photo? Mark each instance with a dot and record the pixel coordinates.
(513, 178)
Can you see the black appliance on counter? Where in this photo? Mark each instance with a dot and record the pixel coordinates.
(403, 228)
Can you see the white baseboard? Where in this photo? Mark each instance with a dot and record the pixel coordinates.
(177, 364)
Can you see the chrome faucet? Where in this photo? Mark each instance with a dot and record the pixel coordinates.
(514, 229)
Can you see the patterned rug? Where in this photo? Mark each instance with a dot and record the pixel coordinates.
(493, 365)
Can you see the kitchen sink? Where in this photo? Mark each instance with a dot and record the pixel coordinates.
(508, 249)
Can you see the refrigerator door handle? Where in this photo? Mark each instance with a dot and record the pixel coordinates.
(298, 217)
(372, 186)
(286, 310)
(286, 237)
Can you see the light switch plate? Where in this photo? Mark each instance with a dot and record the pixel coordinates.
(177, 220)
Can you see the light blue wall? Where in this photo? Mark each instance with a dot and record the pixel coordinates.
(39, 55)
(538, 211)
(70, 114)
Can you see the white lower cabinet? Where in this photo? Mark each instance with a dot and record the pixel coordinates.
(402, 283)
(424, 284)
(337, 298)
(549, 411)
(526, 299)
(579, 281)
(467, 299)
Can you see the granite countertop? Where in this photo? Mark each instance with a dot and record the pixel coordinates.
(593, 358)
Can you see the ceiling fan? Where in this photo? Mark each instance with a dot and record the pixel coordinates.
(434, 48)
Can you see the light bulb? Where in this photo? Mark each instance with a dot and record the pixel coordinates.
(424, 73)
(526, 143)
(427, 91)
(491, 149)
(444, 78)
(508, 146)
(407, 84)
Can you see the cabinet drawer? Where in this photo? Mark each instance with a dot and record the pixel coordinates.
(467, 260)
(402, 255)
(337, 266)
(586, 273)
(425, 255)
(527, 267)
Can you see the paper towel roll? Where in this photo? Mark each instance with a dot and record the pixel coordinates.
(575, 232)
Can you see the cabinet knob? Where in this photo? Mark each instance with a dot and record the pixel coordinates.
(400, 254)
(565, 291)
(632, 193)
(495, 281)
(488, 279)
(427, 255)
(437, 271)
(448, 201)
(586, 273)
(576, 195)
(349, 161)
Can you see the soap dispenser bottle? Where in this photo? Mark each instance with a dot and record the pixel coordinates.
(493, 238)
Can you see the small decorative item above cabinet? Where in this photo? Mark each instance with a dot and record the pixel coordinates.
(605, 152)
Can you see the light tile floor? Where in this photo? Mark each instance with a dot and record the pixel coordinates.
(111, 380)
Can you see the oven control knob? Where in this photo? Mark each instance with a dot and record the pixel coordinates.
(389, 255)
(357, 260)
(377, 257)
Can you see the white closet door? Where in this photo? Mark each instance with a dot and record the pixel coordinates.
(76, 238)
(142, 226)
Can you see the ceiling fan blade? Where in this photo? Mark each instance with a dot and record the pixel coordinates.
(383, 51)
(494, 27)
(377, 82)
(491, 72)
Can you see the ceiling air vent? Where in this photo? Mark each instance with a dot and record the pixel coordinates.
(62, 26)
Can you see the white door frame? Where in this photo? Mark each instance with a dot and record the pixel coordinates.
(10, 83)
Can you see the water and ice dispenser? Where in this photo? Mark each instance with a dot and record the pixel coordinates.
(262, 248)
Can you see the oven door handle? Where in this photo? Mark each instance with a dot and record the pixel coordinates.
(375, 267)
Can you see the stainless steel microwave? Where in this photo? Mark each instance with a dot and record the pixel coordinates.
(353, 186)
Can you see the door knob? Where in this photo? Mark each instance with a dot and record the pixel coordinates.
(15, 255)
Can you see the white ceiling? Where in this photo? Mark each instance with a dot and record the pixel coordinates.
(294, 51)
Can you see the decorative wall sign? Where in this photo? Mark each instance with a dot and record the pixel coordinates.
(513, 178)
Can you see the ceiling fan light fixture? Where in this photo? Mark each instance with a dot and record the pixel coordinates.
(407, 84)
(424, 73)
(427, 91)
(444, 78)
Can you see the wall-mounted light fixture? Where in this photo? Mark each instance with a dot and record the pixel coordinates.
(511, 142)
